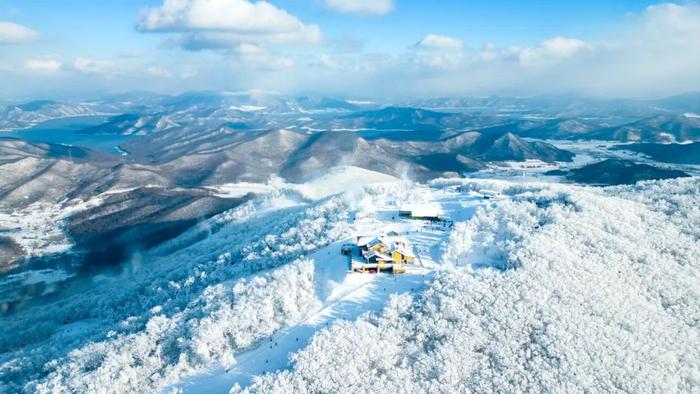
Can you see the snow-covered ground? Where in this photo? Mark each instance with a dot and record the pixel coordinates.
(589, 152)
(550, 287)
(336, 180)
(556, 288)
(38, 227)
(344, 295)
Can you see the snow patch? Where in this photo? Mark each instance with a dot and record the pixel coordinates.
(247, 108)
(341, 179)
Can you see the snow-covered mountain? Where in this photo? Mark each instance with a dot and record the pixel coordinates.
(548, 290)
(53, 197)
(32, 113)
(548, 287)
(132, 124)
(661, 128)
(205, 256)
(565, 106)
(688, 153)
(618, 172)
(231, 155)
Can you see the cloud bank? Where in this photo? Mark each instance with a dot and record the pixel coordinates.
(241, 44)
(436, 41)
(46, 65)
(207, 24)
(13, 33)
(651, 54)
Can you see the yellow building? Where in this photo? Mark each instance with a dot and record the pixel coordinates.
(401, 256)
(376, 245)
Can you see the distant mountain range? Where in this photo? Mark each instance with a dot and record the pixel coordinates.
(132, 124)
(137, 202)
(668, 153)
(400, 118)
(228, 155)
(660, 128)
(185, 146)
(617, 172)
(161, 187)
(564, 106)
(196, 108)
(35, 112)
(561, 117)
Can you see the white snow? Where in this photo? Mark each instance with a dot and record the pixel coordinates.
(431, 209)
(529, 164)
(556, 288)
(240, 189)
(247, 108)
(341, 179)
(42, 276)
(336, 180)
(37, 228)
(360, 102)
(344, 296)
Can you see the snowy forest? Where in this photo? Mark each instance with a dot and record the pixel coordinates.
(547, 288)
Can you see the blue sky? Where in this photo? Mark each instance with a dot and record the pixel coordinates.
(399, 47)
(103, 28)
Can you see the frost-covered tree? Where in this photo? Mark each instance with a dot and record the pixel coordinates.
(202, 296)
(556, 289)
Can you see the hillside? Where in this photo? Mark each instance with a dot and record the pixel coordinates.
(54, 197)
(225, 154)
(401, 118)
(132, 124)
(661, 128)
(528, 286)
(668, 153)
(557, 129)
(618, 172)
(34, 112)
(532, 303)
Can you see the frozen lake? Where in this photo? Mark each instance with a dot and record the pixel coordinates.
(65, 131)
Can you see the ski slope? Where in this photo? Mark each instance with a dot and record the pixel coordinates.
(344, 295)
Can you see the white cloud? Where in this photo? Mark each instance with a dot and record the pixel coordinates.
(217, 23)
(436, 51)
(368, 7)
(95, 67)
(159, 72)
(260, 58)
(652, 53)
(13, 33)
(327, 61)
(562, 46)
(551, 50)
(224, 40)
(440, 42)
(44, 65)
(450, 60)
(673, 16)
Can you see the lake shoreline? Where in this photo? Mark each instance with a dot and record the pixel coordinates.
(66, 131)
